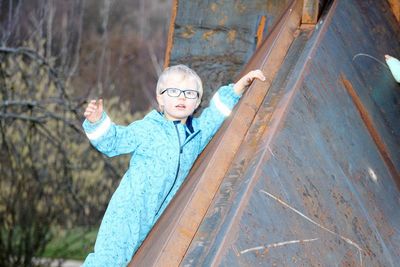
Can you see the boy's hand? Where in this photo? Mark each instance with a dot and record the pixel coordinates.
(246, 80)
(94, 110)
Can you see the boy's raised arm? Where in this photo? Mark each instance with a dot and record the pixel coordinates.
(222, 104)
(108, 138)
(220, 107)
(246, 80)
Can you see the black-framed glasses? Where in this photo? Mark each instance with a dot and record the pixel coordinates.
(175, 92)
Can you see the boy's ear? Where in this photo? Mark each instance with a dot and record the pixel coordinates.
(198, 103)
(160, 100)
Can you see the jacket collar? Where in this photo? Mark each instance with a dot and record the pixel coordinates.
(159, 118)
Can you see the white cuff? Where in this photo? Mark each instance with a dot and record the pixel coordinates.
(100, 130)
(224, 109)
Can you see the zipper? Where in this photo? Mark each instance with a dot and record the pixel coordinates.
(177, 170)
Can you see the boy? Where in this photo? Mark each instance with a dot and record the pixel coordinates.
(164, 146)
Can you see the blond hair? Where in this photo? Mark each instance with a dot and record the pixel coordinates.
(185, 71)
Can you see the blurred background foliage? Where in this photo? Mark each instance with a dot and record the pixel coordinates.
(54, 56)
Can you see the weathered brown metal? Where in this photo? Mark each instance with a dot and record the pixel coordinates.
(260, 31)
(217, 38)
(314, 181)
(395, 4)
(310, 11)
(304, 172)
(372, 130)
(170, 40)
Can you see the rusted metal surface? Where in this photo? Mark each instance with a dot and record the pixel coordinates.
(395, 4)
(217, 38)
(372, 129)
(260, 30)
(304, 172)
(170, 41)
(312, 10)
(311, 184)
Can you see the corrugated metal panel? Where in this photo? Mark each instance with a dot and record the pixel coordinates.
(304, 173)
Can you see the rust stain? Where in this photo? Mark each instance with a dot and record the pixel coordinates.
(208, 34)
(223, 20)
(186, 232)
(306, 19)
(395, 5)
(333, 232)
(260, 30)
(240, 7)
(310, 11)
(188, 32)
(213, 7)
(231, 36)
(170, 40)
(372, 129)
(349, 259)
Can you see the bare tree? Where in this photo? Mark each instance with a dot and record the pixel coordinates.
(54, 54)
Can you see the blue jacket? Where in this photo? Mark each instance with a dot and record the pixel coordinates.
(163, 153)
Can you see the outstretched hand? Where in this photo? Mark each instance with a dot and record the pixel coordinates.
(94, 110)
(246, 80)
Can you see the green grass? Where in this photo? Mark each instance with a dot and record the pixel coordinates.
(71, 244)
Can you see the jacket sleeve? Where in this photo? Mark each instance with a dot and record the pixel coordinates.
(111, 139)
(213, 116)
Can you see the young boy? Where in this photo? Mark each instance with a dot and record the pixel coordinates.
(164, 146)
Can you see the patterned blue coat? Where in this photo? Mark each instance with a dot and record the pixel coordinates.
(162, 155)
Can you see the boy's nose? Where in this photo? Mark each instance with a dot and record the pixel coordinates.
(182, 96)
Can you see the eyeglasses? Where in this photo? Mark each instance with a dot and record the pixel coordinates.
(175, 92)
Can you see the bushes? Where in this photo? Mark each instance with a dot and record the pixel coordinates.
(51, 178)
(49, 173)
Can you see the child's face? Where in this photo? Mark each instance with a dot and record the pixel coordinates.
(180, 107)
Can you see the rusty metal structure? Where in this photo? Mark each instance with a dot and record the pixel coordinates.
(306, 171)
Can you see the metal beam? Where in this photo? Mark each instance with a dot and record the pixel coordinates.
(310, 11)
